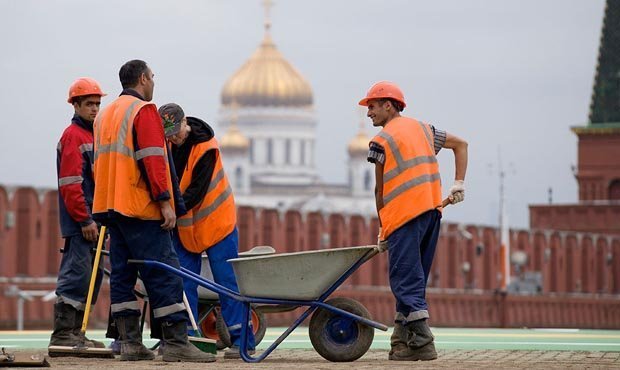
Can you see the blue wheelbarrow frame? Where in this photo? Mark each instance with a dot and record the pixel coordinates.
(248, 301)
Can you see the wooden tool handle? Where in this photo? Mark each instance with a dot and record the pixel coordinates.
(93, 277)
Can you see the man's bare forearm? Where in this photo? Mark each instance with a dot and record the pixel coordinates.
(459, 147)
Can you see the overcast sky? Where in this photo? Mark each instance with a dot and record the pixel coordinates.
(505, 75)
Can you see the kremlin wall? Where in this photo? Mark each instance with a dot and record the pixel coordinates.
(578, 284)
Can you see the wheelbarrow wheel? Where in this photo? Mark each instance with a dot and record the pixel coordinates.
(259, 327)
(208, 326)
(338, 338)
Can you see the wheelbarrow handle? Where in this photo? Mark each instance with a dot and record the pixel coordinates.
(136, 262)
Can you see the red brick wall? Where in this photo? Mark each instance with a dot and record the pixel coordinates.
(570, 263)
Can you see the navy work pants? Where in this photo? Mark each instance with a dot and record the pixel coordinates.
(411, 249)
(75, 271)
(223, 274)
(133, 238)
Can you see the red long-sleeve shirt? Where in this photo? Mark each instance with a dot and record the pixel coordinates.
(74, 159)
(149, 133)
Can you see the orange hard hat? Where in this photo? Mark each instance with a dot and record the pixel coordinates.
(385, 90)
(84, 86)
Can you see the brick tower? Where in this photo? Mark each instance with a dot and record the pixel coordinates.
(598, 169)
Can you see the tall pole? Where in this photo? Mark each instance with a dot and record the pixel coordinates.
(504, 251)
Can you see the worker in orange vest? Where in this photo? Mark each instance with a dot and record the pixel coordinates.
(134, 197)
(210, 224)
(75, 198)
(408, 198)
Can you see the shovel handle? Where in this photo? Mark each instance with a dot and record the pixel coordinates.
(93, 277)
(446, 202)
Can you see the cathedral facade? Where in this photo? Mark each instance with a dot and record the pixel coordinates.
(269, 143)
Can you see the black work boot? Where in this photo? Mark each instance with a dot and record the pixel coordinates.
(176, 346)
(64, 317)
(77, 327)
(420, 343)
(130, 336)
(398, 340)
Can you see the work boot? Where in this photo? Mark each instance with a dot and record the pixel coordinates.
(130, 335)
(63, 335)
(77, 328)
(398, 340)
(176, 346)
(234, 353)
(64, 317)
(420, 343)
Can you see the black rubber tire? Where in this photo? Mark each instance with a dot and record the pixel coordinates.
(211, 327)
(337, 338)
(259, 332)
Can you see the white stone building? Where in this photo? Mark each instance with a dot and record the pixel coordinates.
(268, 146)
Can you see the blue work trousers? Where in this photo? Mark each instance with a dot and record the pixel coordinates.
(75, 271)
(411, 249)
(133, 238)
(223, 274)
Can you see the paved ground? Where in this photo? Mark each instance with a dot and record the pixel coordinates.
(458, 348)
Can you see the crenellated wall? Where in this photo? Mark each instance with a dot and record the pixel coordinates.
(578, 269)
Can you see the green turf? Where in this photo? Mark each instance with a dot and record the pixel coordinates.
(445, 338)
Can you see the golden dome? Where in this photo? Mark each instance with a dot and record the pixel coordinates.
(359, 144)
(234, 139)
(267, 79)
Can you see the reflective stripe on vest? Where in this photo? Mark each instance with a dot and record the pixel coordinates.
(215, 216)
(120, 186)
(411, 179)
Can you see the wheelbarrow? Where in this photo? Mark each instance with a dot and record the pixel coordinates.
(340, 329)
(210, 320)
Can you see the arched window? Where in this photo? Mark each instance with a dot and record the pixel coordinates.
(269, 151)
(614, 190)
(303, 152)
(252, 151)
(287, 151)
(367, 180)
(239, 177)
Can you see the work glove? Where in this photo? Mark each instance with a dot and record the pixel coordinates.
(457, 191)
(382, 245)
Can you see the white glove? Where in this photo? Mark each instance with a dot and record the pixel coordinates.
(382, 245)
(457, 191)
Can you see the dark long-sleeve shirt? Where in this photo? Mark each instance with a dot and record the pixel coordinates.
(203, 170)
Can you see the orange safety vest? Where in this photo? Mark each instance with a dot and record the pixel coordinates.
(119, 185)
(411, 181)
(215, 216)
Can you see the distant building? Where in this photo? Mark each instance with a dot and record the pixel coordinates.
(598, 168)
(268, 139)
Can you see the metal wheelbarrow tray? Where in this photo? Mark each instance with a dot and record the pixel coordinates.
(340, 328)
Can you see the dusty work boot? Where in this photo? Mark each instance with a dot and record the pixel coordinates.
(130, 335)
(77, 327)
(177, 348)
(234, 353)
(398, 340)
(64, 317)
(63, 335)
(420, 343)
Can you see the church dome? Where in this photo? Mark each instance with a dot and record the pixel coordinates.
(234, 139)
(359, 144)
(267, 79)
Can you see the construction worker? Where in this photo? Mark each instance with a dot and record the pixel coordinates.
(408, 197)
(210, 224)
(76, 185)
(134, 198)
